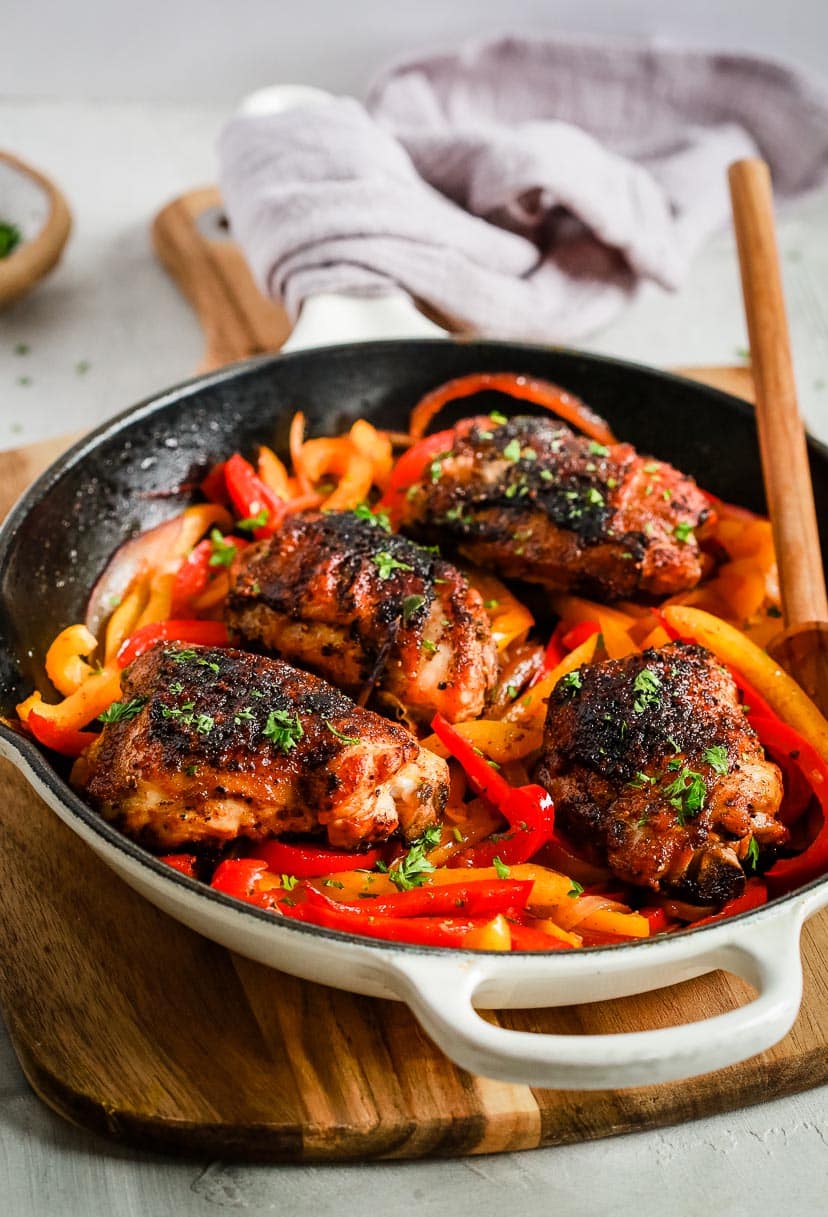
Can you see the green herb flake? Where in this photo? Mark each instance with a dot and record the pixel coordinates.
(576, 890)
(288, 882)
(386, 563)
(512, 450)
(191, 771)
(22, 348)
(594, 497)
(491, 604)
(498, 418)
(683, 531)
(251, 523)
(716, 758)
(596, 449)
(412, 869)
(752, 855)
(456, 833)
(641, 780)
(343, 739)
(501, 868)
(646, 684)
(222, 552)
(123, 711)
(82, 367)
(283, 729)
(410, 607)
(10, 238)
(429, 647)
(686, 794)
(24, 380)
(380, 519)
(571, 681)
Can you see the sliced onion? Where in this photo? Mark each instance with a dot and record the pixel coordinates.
(147, 550)
(581, 907)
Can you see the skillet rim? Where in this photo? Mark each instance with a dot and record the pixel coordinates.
(36, 761)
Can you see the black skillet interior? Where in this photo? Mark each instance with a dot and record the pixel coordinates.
(117, 483)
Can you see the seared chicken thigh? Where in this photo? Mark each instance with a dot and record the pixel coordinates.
(339, 595)
(654, 769)
(530, 499)
(214, 744)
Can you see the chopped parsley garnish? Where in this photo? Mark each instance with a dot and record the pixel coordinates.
(571, 681)
(432, 836)
(222, 552)
(435, 469)
(332, 883)
(512, 692)
(343, 739)
(429, 647)
(594, 497)
(498, 418)
(596, 449)
(456, 833)
(122, 711)
(283, 729)
(683, 531)
(752, 855)
(512, 450)
(184, 656)
(490, 604)
(686, 793)
(243, 716)
(204, 724)
(453, 513)
(380, 519)
(176, 687)
(576, 890)
(641, 780)
(410, 608)
(288, 882)
(646, 684)
(386, 563)
(191, 771)
(653, 467)
(10, 238)
(716, 758)
(501, 868)
(251, 523)
(412, 869)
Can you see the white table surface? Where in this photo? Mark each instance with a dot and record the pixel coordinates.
(111, 307)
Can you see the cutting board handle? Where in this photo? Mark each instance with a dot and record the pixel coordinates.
(766, 955)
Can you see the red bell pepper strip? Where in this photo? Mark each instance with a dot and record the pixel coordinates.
(311, 861)
(239, 877)
(530, 938)
(423, 931)
(754, 895)
(200, 633)
(528, 810)
(788, 873)
(186, 863)
(411, 467)
(784, 745)
(59, 739)
(214, 486)
(579, 634)
(251, 497)
(657, 919)
(478, 898)
(193, 575)
(552, 655)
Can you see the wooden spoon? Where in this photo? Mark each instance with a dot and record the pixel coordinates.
(803, 647)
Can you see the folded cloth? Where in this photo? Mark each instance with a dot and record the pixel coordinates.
(521, 188)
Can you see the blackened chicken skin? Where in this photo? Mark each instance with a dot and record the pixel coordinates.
(530, 499)
(655, 770)
(339, 595)
(224, 744)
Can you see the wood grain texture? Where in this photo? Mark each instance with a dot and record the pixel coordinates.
(131, 1025)
(781, 433)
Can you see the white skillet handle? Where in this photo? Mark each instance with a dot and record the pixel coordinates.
(441, 995)
(329, 318)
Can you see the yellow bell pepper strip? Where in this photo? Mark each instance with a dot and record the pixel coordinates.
(159, 603)
(95, 695)
(495, 935)
(194, 523)
(530, 709)
(500, 740)
(66, 741)
(528, 810)
(197, 632)
(525, 388)
(66, 664)
(730, 646)
(125, 619)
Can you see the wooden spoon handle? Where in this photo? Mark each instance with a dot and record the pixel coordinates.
(781, 433)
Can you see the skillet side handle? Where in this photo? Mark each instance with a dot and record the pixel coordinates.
(441, 998)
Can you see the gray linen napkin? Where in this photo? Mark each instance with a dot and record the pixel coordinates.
(523, 188)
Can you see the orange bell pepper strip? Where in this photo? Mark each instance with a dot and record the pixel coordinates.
(376, 446)
(96, 693)
(66, 664)
(341, 458)
(273, 472)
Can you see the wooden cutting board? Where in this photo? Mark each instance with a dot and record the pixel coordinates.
(131, 1025)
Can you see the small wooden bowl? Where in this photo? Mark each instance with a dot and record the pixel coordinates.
(34, 205)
